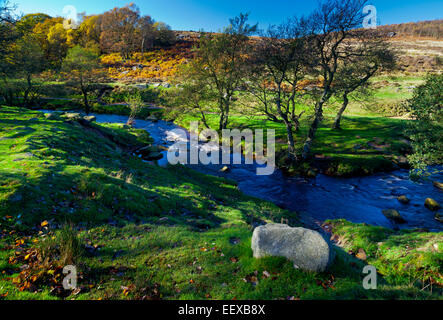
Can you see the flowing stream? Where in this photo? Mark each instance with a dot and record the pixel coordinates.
(359, 199)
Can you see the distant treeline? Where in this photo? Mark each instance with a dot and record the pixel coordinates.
(123, 30)
(422, 29)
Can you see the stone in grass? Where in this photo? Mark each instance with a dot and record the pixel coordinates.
(431, 204)
(307, 249)
(52, 116)
(90, 118)
(403, 199)
(393, 215)
(73, 116)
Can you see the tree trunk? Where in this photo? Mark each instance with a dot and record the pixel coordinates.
(85, 101)
(224, 114)
(203, 117)
(27, 90)
(226, 120)
(291, 144)
(313, 129)
(337, 120)
(227, 107)
(143, 47)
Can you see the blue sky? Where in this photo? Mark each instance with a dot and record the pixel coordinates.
(212, 15)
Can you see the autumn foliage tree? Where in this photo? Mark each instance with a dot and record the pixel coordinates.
(20, 58)
(125, 31)
(118, 29)
(89, 31)
(7, 32)
(28, 22)
(55, 40)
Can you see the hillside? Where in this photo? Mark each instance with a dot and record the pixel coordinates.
(432, 29)
(419, 47)
(146, 232)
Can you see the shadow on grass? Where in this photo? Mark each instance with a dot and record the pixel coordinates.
(75, 175)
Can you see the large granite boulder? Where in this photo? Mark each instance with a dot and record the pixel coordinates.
(72, 116)
(307, 249)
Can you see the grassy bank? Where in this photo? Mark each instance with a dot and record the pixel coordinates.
(407, 256)
(139, 231)
(363, 146)
(118, 108)
(368, 142)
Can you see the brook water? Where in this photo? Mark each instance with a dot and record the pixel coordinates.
(360, 199)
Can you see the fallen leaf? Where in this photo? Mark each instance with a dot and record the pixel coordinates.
(361, 254)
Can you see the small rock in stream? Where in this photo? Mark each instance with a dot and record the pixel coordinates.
(431, 204)
(403, 199)
(393, 215)
(438, 185)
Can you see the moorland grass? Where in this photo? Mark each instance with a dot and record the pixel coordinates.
(149, 232)
(363, 145)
